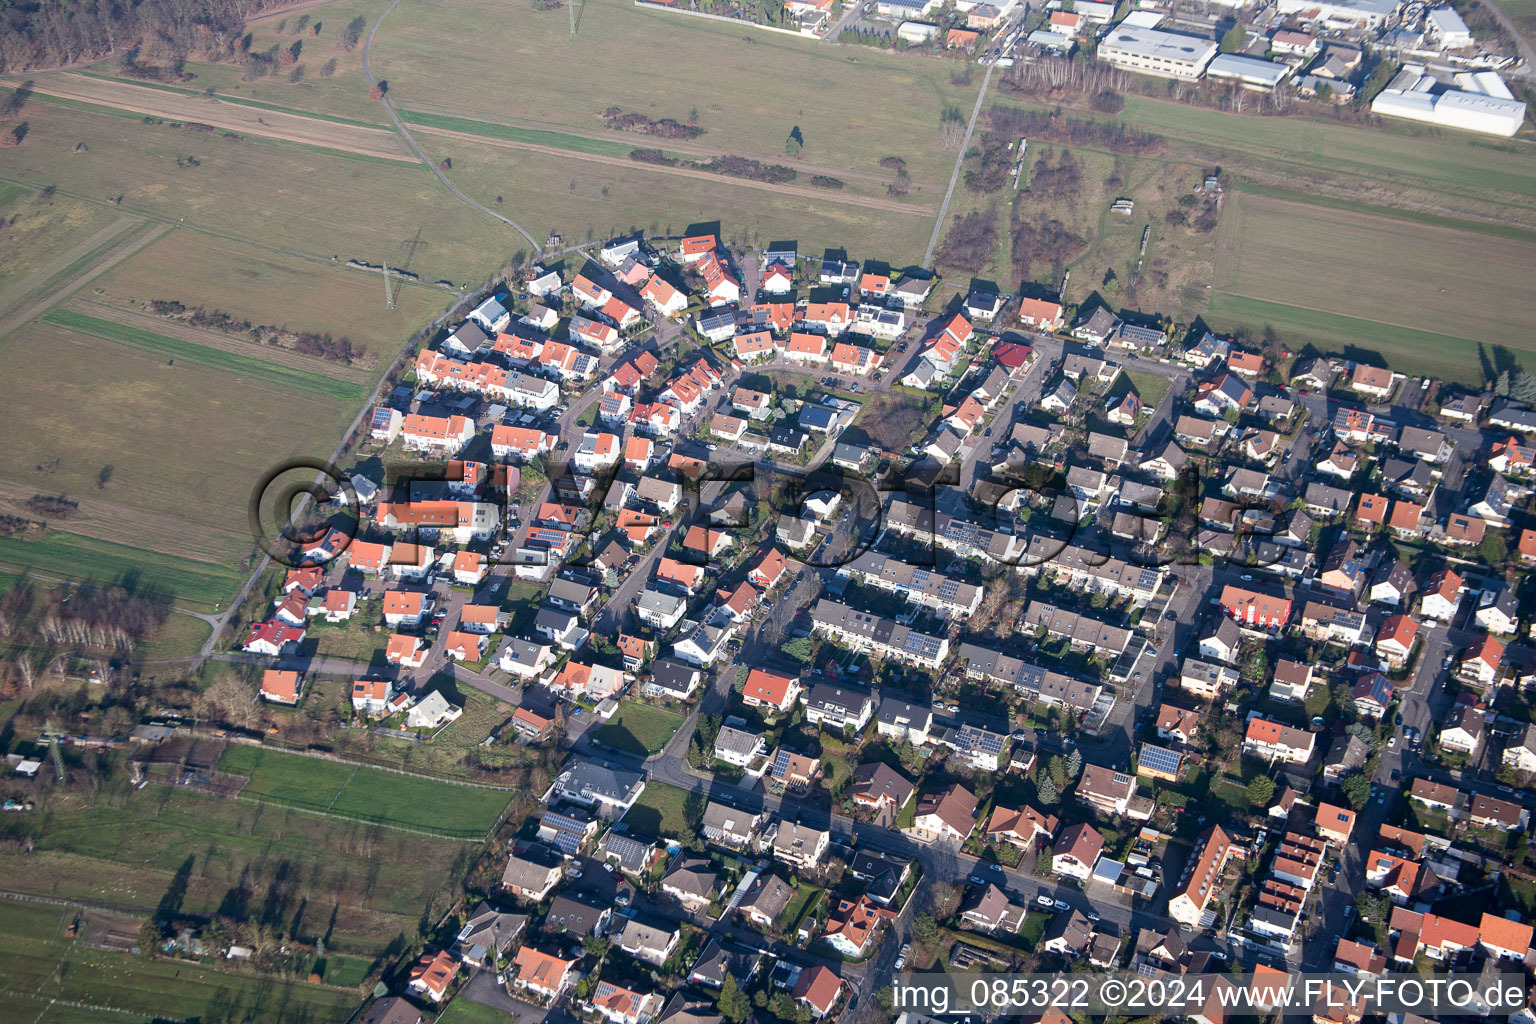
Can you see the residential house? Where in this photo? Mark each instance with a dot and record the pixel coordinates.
(1276, 741)
(546, 975)
(1076, 852)
(946, 813)
(798, 845)
(987, 908)
(1107, 791)
(691, 883)
(1464, 731)
(533, 873)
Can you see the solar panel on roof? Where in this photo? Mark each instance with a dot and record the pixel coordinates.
(1160, 759)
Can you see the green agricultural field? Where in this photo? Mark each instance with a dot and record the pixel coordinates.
(200, 438)
(245, 366)
(42, 965)
(601, 197)
(48, 235)
(1522, 13)
(639, 729)
(1300, 268)
(288, 197)
(1299, 148)
(197, 584)
(127, 845)
(437, 63)
(366, 794)
(263, 287)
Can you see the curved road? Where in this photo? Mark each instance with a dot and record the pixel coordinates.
(411, 142)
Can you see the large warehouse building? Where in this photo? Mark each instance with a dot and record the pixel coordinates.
(1153, 52)
(1413, 94)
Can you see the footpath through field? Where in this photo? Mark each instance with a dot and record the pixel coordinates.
(236, 117)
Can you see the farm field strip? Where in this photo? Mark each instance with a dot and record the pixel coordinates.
(356, 791)
(244, 101)
(176, 348)
(1512, 232)
(602, 140)
(49, 968)
(433, 65)
(120, 249)
(1402, 349)
(88, 559)
(349, 207)
(231, 277)
(179, 331)
(1450, 162)
(118, 523)
(84, 252)
(326, 133)
(187, 459)
(605, 198)
(804, 191)
(1437, 281)
(127, 850)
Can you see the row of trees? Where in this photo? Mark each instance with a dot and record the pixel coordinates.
(65, 31)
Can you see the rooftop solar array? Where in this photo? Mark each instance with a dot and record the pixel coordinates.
(1160, 759)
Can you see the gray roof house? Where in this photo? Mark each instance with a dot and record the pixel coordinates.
(654, 944)
(716, 962)
(691, 883)
(485, 928)
(767, 899)
(727, 826)
(592, 785)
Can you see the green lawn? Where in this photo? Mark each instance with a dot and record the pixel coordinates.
(802, 903)
(346, 971)
(659, 811)
(639, 729)
(462, 1011)
(366, 794)
(230, 361)
(1150, 387)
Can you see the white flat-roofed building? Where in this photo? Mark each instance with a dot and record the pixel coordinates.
(1412, 95)
(1051, 41)
(1365, 13)
(1447, 28)
(1151, 51)
(1252, 72)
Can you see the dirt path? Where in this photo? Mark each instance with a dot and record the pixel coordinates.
(223, 342)
(131, 245)
(34, 282)
(272, 124)
(808, 191)
(123, 524)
